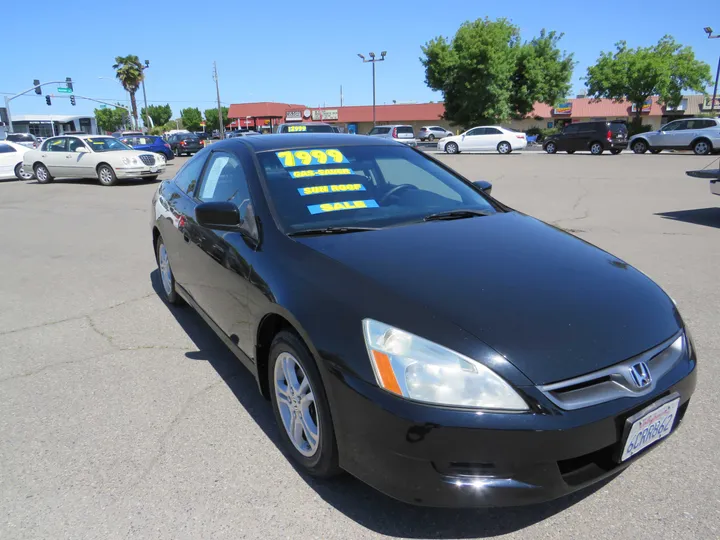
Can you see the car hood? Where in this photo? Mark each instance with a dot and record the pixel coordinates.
(555, 306)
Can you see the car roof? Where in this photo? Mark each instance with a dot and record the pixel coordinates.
(305, 124)
(299, 140)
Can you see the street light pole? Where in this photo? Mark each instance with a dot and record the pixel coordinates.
(709, 32)
(372, 60)
(221, 124)
(147, 113)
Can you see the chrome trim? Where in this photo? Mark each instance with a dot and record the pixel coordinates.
(147, 159)
(617, 381)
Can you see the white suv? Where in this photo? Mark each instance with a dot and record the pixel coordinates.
(431, 133)
(403, 134)
(701, 135)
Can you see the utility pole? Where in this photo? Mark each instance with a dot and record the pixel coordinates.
(372, 60)
(341, 96)
(709, 32)
(147, 114)
(220, 115)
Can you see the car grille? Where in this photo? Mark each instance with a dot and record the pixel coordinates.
(147, 159)
(617, 381)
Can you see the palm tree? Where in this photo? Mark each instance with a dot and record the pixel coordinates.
(129, 72)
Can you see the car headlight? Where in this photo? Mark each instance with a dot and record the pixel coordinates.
(134, 161)
(418, 369)
(125, 161)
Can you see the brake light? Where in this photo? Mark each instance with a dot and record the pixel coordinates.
(521, 136)
(167, 146)
(394, 133)
(609, 135)
(182, 143)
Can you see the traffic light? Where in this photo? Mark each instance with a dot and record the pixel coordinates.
(47, 100)
(72, 100)
(68, 83)
(36, 84)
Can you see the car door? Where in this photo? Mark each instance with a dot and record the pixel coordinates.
(566, 140)
(679, 137)
(220, 259)
(9, 157)
(584, 135)
(79, 164)
(493, 137)
(472, 139)
(55, 155)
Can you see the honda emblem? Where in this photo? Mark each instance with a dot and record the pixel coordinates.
(640, 374)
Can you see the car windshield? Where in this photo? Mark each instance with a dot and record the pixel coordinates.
(105, 144)
(304, 128)
(361, 186)
(20, 137)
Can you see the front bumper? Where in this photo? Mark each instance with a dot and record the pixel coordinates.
(617, 145)
(433, 456)
(139, 172)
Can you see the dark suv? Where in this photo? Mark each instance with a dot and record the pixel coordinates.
(184, 143)
(595, 137)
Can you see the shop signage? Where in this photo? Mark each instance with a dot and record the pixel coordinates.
(325, 114)
(563, 108)
(645, 108)
(306, 113)
(707, 103)
(293, 116)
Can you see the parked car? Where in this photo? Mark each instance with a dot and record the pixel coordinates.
(701, 135)
(91, 156)
(184, 143)
(11, 161)
(503, 140)
(595, 137)
(25, 139)
(305, 127)
(151, 143)
(551, 366)
(430, 133)
(118, 134)
(403, 134)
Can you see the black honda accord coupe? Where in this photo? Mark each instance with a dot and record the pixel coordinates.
(412, 330)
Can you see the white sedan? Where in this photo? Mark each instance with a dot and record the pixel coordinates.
(11, 161)
(91, 156)
(477, 139)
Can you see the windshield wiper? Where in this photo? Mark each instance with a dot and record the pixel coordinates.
(332, 230)
(457, 214)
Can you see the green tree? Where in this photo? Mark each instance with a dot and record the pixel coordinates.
(129, 72)
(488, 75)
(191, 118)
(111, 119)
(665, 70)
(211, 119)
(160, 114)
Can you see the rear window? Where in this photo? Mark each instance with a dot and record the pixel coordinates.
(617, 127)
(405, 129)
(20, 137)
(379, 131)
(6, 149)
(368, 186)
(305, 128)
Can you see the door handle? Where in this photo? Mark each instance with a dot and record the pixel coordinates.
(44, 155)
(67, 157)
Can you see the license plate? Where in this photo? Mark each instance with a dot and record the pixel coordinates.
(649, 426)
(153, 169)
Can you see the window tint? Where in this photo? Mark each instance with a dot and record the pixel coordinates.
(492, 131)
(672, 126)
(187, 178)
(75, 143)
(55, 145)
(682, 125)
(6, 149)
(571, 129)
(700, 124)
(405, 129)
(437, 128)
(20, 137)
(475, 131)
(224, 180)
(379, 131)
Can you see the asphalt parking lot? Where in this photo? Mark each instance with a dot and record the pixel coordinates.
(123, 418)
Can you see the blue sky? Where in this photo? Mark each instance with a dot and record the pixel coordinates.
(294, 52)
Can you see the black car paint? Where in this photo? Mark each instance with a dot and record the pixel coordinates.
(551, 305)
(594, 132)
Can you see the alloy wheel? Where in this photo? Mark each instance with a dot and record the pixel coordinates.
(296, 404)
(451, 148)
(639, 147)
(550, 148)
(105, 175)
(596, 149)
(701, 148)
(504, 148)
(165, 272)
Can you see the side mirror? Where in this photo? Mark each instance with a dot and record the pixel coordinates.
(222, 215)
(82, 150)
(484, 185)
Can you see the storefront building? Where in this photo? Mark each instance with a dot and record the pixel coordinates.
(48, 125)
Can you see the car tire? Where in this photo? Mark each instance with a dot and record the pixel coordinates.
(655, 151)
(21, 174)
(551, 148)
(302, 411)
(596, 148)
(570, 151)
(504, 148)
(167, 279)
(42, 174)
(431, 137)
(615, 151)
(177, 152)
(151, 178)
(452, 148)
(702, 147)
(106, 175)
(639, 147)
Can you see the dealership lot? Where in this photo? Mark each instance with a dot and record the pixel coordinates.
(123, 418)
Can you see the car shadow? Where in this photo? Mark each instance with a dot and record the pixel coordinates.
(356, 500)
(709, 217)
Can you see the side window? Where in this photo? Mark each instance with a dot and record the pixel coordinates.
(187, 178)
(683, 125)
(570, 129)
(374, 131)
(224, 180)
(492, 131)
(702, 124)
(74, 143)
(6, 149)
(475, 131)
(56, 145)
